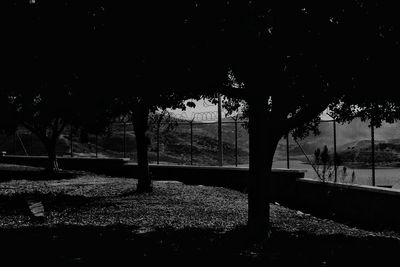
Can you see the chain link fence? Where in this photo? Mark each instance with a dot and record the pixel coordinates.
(363, 155)
(185, 142)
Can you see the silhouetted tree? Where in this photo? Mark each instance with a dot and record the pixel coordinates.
(49, 59)
(138, 108)
(151, 67)
(290, 62)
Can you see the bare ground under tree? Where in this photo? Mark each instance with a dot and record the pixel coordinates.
(97, 219)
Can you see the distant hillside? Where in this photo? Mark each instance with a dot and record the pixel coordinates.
(353, 143)
(174, 144)
(347, 135)
(387, 152)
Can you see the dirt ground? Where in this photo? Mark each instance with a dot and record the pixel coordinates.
(94, 219)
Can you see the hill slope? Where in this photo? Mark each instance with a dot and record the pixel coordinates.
(175, 144)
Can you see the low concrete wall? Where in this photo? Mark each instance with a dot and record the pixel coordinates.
(371, 206)
(282, 182)
(361, 204)
(98, 165)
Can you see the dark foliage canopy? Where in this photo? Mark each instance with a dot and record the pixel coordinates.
(68, 60)
(52, 56)
(299, 57)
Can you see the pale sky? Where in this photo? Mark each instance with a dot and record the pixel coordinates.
(206, 111)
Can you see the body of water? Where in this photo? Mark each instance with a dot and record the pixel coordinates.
(383, 176)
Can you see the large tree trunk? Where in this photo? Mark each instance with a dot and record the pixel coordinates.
(263, 140)
(140, 125)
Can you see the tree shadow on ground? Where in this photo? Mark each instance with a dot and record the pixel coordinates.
(285, 249)
(37, 175)
(121, 245)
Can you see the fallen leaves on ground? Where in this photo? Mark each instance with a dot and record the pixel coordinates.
(175, 219)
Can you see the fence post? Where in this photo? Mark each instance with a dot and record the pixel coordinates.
(70, 140)
(124, 139)
(191, 142)
(220, 147)
(96, 145)
(14, 143)
(287, 150)
(31, 139)
(158, 143)
(334, 150)
(236, 143)
(373, 153)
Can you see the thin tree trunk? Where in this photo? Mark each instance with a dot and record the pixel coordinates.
(50, 142)
(263, 140)
(51, 151)
(140, 125)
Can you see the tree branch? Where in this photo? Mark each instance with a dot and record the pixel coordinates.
(37, 132)
(29, 127)
(62, 127)
(306, 114)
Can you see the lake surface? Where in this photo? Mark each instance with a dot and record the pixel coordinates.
(383, 176)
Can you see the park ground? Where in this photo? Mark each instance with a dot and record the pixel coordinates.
(94, 219)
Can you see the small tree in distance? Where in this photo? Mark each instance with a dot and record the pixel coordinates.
(48, 79)
(325, 164)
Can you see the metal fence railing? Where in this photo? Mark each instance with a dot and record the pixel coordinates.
(183, 142)
(364, 155)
